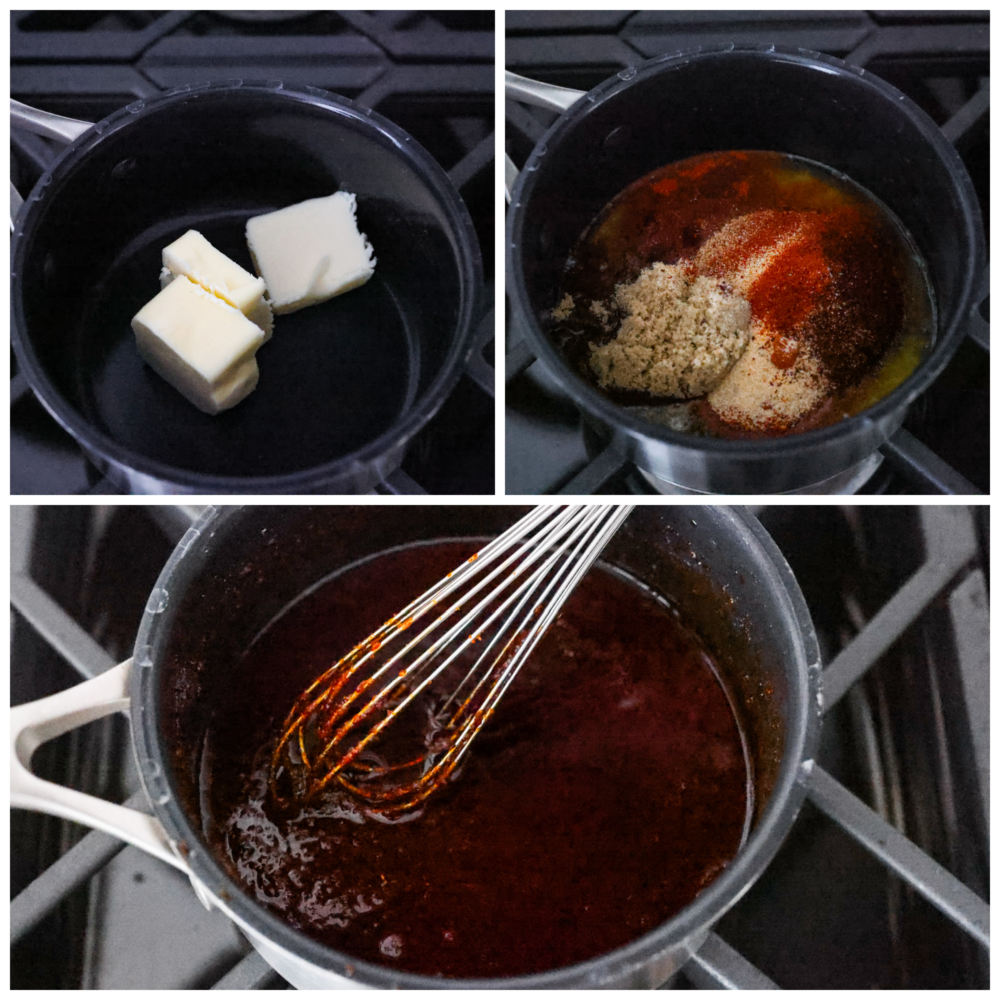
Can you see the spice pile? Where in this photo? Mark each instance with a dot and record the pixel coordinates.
(776, 260)
(680, 335)
(822, 271)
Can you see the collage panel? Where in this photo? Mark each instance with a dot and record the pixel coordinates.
(253, 252)
(372, 712)
(557, 746)
(746, 252)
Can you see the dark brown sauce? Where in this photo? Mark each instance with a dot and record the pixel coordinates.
(607, 790)
(853, 287)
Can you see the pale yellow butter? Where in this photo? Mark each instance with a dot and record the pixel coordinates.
(202, 346)
(310, 252)
(194, 257)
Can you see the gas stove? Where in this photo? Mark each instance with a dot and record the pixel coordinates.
(938, 59)
(430, 73)
(880, 884)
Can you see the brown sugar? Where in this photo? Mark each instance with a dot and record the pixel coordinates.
(679, 337)
(565, 307)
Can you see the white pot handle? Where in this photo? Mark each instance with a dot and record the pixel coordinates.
(541, 95)
(38, 722)
(45, 123)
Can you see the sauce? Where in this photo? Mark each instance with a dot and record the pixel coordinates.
(607, 790)
(834, 283)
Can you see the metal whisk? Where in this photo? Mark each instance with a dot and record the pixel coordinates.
(351, 725)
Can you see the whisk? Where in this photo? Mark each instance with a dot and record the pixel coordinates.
(350, 726)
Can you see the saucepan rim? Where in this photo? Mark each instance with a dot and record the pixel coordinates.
(466, 252)
(803, 714)
(587, 396)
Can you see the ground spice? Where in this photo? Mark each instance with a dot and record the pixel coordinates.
(758, 393)
(823, 269)
(679, 337)
(778, 379)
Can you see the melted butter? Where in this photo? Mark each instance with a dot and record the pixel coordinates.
(901, 363)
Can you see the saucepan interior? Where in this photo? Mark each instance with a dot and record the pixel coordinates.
(793, 102)
(243, 566)
(340, 381)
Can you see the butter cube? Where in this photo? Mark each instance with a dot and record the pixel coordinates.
(310, 252)
(194, 257)
(202, 346)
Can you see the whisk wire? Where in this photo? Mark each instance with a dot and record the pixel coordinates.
(580, 560)
(418, 608)
(452, 582)
(525, 593)
(534, 565)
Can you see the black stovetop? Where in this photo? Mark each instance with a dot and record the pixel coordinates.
(939, 59)
(430, 73)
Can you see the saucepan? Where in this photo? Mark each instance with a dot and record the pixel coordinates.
(237, 568)
(344, 385)
(741, 97)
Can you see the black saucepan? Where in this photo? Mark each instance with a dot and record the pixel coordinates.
(343, 386)
(750, 97)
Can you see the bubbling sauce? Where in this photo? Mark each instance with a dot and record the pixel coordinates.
(609, 788)
(841, 308)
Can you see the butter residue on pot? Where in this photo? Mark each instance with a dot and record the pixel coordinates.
(680, 334)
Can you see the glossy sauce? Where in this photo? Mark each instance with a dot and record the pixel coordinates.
(608, 789)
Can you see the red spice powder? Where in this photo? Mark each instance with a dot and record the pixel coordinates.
(667, 186)
(836, 282)
(700, 168)
(787, 293)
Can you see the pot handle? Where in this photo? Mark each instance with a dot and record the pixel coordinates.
(539, 95)
(16, 201)
(38, 722)
(40, 123)
(509, 177)
(45, 123)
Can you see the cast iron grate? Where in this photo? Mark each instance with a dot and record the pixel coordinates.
(939, 59)
(891, 893)
(430, 72)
